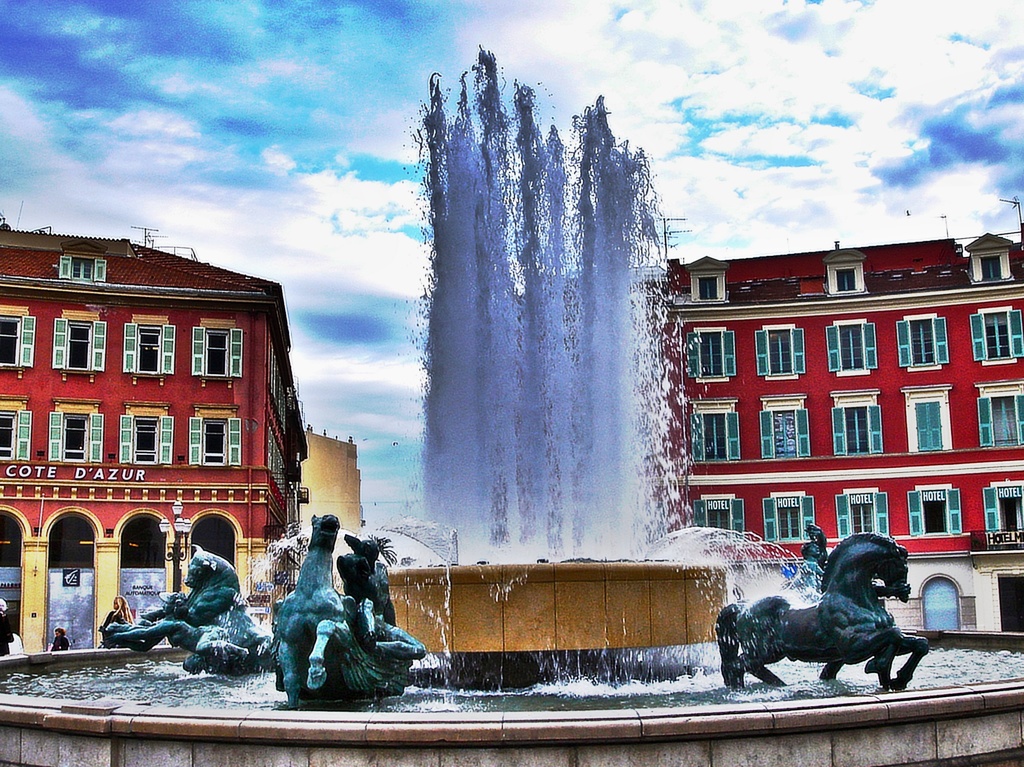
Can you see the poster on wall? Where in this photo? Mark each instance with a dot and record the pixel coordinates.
(142, 588)
(72, 605)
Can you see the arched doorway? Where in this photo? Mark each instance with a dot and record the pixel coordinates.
(72, 580)
(10, 569)
(215, 534)
(941, 603)
(143, 573)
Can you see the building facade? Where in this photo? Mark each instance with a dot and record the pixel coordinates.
(877, 388)
(331, 480)
(134, 383)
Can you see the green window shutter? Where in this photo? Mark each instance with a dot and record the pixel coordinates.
(916, 512)
(234, 441)
(99, 345)
(167, 348)
(28, 342)
(56, 431)
(195, 440)
(700, 515)
(60, 343)
(23, 443)
(929, 425)
(991, 509)
(978, 336)
(96, 437)
(953, 511)
(732, 433)
(235, 353)
(198, 351)
(903, 343)
(839, 430)
(875, 428)
(799, 365)
(985, 438)
(843, 516)
(770, 528)
(64, 268)
(941, 344)
(803, 433)
(126, 433)
(1018, 402)
(761, 349)
(166, 439)
(882, 513)
(697, 436)
(832, 339)
(131, 346)
(767, 435)
(1016, 333)
(728, 353)
(870, 346)
(807, 510)
(738, 521)
(100, 271)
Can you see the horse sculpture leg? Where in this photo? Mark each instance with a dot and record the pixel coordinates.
(325, 631)
(729, 646)
(917, 648)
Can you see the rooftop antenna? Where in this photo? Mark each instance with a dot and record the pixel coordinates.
(946, 222)
(667, 231)
(147, 235)
(1015, 202)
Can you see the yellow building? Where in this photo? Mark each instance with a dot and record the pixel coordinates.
(330, 476)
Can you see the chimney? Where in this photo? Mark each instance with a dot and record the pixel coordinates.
(837, 244)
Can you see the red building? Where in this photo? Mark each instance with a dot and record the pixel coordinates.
(134, 385)
(876, 388)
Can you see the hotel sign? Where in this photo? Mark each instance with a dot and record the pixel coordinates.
(1005, 538)
(31, 471)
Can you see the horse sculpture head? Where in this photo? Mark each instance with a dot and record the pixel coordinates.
(867, 556)
(325, 532)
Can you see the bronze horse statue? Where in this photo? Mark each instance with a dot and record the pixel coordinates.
(848, 625)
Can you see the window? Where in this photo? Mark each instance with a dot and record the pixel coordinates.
(15, 435)
(780, 352)
(844, 271)
(708, 288)
(707, 280)
(856, 429)
(862, 512)
(76, 437)
(787, 516)
(991, 268)
(217, 353)
(785, 434)
(922, 342)
(1003, 507)
(851, 347)
(1000, 420)
(711, 354)
(997, 335)
(934, 511)
(148, 349)
(79, 345)
(846, 280)
(17, 341)
(215, 441)
(929, 425)
(82, 269)
(146, 439)
(723, 513)
(716, 436)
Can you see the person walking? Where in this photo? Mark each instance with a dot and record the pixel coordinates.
(60, 640)
(6, 634)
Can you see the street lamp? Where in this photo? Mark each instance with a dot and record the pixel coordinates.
(179, 547)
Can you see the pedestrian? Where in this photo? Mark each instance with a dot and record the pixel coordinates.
(6, 634)
(60, 640)
(121, 613)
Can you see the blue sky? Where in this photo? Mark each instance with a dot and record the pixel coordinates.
(278, 138)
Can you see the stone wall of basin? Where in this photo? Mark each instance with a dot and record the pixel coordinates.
(558, 606)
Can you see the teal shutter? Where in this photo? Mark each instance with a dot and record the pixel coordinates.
(697, 436)
(126, 433)
(60, 343)
(738, 521)
(99, 272)
(843, 516)
(23, 444)
(732, 434)
(767, 436)
(807, 510)
(839, 430)
(799, 365)
(195, 440)
(875, 428)
(234, 441)
(929, 425)
(803, 433)
(1018, 402)
(941, 344)
(728, 353)
(882, 513)
(978, 336)
(131, 346)
(700, 516)
(761, 349)
(903, 343)
(99, 345)
(953, 512)
(985, 434)
(64, 268)
(832, 339)
(96, 438)
(1016, 333)
(167, 349)
(870, 346)
(235, 353)
(916, 512)
(770, 528)
(166, 439)
(28, 342)
(991, 509)
(56, 431)
(198, 351)
(692, 355)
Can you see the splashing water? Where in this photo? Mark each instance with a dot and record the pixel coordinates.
(545, 426)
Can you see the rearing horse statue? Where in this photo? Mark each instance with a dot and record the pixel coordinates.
(848, 625)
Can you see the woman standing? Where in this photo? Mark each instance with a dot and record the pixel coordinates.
(6, 634)
(121, 613)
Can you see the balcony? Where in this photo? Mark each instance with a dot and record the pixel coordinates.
(997, 540)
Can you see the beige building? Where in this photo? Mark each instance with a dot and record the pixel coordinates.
(330, 475)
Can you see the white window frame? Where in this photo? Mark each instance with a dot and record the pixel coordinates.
(24, 340)
(842, 260)
(128, 438)
(132, 357)
(93, 448)
(232, 441)
(233, 352)
(923, 394)
(68, 262)
(97, 352)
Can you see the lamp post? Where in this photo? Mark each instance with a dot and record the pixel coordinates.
(179, 546)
